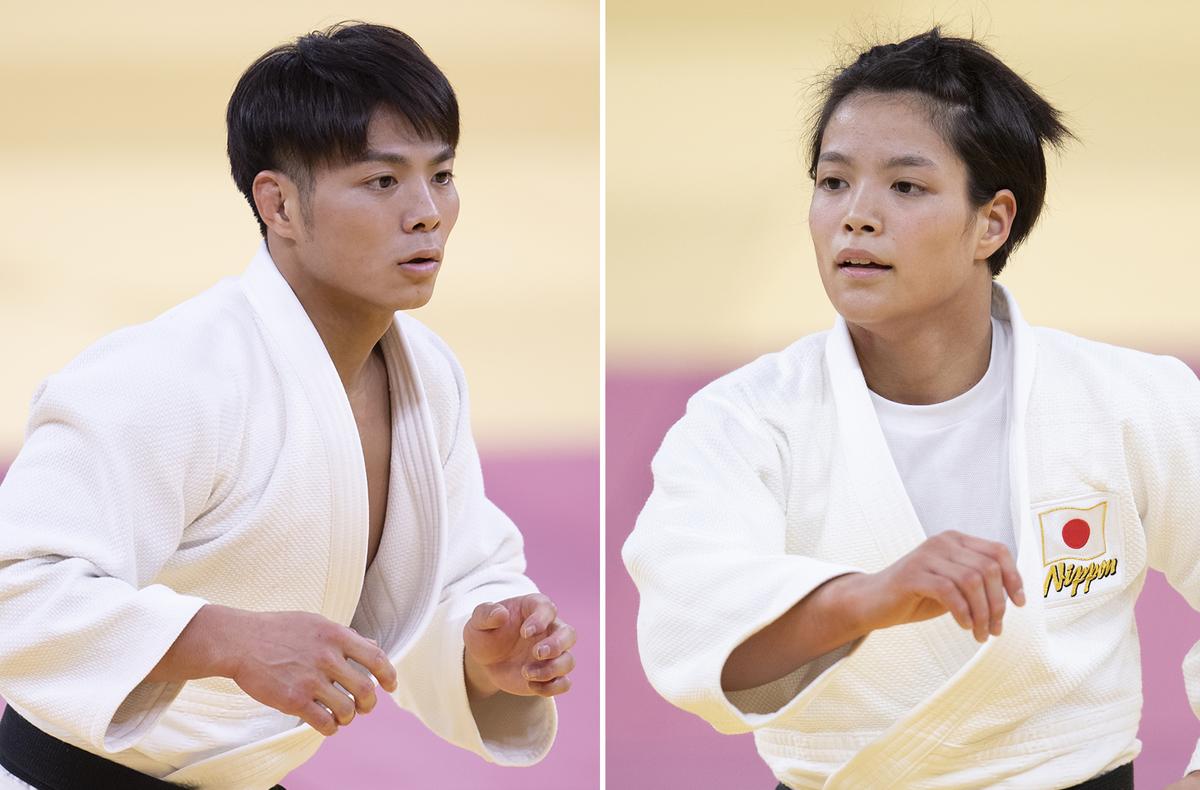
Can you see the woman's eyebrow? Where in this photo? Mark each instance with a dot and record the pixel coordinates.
(834, 156)
(909, 160)
(906, 160)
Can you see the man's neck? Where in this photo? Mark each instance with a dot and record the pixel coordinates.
(930, 361)
(349, 329)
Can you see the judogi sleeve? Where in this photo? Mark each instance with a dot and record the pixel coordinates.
(486, 562)
(1166, 478)
(115, 463)
(709, 560)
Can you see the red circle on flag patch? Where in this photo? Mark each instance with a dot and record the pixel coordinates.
(1076, 533)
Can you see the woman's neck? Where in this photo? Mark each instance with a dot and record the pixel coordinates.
(927, 362)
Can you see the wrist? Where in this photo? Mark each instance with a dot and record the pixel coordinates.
(849, 601)
(479, 684)
(216, 644)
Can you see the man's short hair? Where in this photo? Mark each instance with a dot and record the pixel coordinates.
(308, 103)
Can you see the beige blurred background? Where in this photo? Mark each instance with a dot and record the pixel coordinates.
(709, 258)
(117, 202)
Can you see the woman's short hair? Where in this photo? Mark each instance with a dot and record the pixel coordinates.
(996, 123)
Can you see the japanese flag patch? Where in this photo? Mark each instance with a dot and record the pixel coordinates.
(1081, 542)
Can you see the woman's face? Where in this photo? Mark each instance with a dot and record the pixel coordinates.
(896, 239)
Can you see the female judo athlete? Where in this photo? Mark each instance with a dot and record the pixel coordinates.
(905, 552)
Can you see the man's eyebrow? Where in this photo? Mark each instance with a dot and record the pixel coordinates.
(371, 155)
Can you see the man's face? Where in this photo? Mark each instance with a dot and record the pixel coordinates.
(374, 230)
(892, 195)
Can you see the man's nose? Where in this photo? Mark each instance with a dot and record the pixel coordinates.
(423, 214)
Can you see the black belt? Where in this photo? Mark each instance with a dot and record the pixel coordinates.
(1116, 779)
(47, 763)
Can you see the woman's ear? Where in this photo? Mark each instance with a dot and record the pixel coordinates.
(995, 223)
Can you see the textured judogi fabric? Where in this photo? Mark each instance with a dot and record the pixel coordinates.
(778, 478)
(211, 455)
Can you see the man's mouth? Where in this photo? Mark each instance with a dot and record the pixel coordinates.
(861, 264)
(422, 257)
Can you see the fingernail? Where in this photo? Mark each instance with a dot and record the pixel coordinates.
(543, 651)
(527, 630)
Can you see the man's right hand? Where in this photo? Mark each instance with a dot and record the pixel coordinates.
(294, 662)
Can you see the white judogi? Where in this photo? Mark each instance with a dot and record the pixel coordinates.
(778, 478)
(211, 455)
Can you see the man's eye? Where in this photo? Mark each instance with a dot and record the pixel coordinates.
(383, 182)
(907, 188)
(832, 183)
(444, 177)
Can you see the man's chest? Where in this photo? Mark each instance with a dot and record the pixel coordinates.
(373, 416)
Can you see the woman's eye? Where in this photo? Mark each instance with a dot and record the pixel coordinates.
(444, 177)
(907, 188)
(383, 182)
(831, 183)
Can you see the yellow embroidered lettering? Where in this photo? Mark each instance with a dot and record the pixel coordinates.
(1064, 575)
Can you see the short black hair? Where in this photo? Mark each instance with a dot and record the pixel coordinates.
(991, 117)
(308, 103)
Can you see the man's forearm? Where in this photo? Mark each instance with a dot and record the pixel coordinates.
(824, 620)
(203, 649)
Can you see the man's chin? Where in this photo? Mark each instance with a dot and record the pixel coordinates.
(417, 297)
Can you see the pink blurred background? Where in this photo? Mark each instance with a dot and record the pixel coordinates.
(652, 744)
(554, 498)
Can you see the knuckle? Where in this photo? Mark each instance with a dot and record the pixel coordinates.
(294, 701)
(343, 709)
(363, 690)
(322, 722)
(327, 660)
(311, 686)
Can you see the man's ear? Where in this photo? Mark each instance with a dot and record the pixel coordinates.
(277, 199)
(996, 217)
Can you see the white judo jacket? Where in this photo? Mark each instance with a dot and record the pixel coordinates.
(211, 455)
(778, 478)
